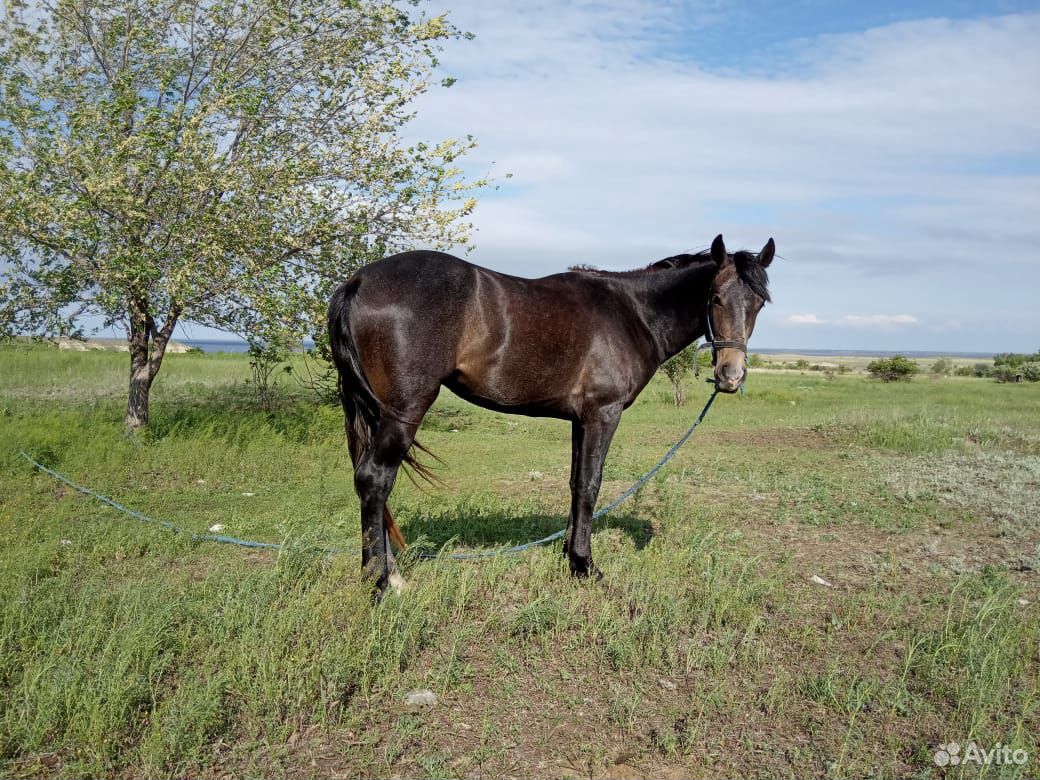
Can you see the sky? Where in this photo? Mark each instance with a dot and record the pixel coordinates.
(892, 149)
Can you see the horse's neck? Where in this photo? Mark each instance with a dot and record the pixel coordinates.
(675, 301)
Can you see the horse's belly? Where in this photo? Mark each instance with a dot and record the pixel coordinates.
(509, 394)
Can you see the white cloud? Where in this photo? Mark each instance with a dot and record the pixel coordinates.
(910, 151)
(887, 321)
(804, 319)
(876, 320)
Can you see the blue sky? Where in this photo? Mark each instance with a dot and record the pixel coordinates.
(892, 150)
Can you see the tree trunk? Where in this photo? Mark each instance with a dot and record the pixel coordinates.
(147, 348)
(140, 387)
(680, 391)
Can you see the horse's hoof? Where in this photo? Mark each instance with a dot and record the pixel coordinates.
(398, 583)
(582, 569)
(380, 592)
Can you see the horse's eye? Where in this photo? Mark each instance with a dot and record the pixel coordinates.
(716, 300)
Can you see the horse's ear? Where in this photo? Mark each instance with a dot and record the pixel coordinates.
(718, 250)
(765, 257)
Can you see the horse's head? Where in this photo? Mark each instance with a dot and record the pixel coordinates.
(738, 292)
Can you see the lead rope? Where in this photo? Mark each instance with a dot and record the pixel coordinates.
(222, 539)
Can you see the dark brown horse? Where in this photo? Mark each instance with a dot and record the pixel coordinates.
(578, 346)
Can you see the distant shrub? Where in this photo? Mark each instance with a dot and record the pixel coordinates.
(755, 360)
(1009, 360)
(264, 358)
(1031, 371)
(1026, 372)
(982, 369)
(1008, 366)
(942, 366)
(892, 369)
(964, 371)
(194, 351)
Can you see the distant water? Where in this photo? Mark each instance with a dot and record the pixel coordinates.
(229, 345)
(910, 353)
(233, 345)
(215, 346)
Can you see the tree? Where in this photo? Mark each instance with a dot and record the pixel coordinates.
(168, 159)
(892, 369)
(679, 365)
(675, 368)
(942, 366)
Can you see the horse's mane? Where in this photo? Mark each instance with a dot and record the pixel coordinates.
(752, 273)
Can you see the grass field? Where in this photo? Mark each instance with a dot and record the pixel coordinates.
(707, 650)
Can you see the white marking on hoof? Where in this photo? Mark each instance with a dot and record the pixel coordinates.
(397, 582)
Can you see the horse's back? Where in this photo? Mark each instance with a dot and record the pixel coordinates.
(429, 283)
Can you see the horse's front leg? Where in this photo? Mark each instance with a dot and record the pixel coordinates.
(590, 451)
(577, 434)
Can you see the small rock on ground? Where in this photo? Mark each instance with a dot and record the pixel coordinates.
(422, 697)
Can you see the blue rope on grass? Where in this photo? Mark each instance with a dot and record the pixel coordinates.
(516, 549)
(146, 519)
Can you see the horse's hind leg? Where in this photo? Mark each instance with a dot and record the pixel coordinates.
(374, 478)
(357, 448)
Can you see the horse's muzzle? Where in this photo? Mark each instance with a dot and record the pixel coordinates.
(729, 381)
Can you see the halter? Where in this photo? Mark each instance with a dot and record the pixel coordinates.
(710, 342)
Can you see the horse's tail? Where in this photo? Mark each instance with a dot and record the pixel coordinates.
(361, 408)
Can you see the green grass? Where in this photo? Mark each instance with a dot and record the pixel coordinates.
(127, 650)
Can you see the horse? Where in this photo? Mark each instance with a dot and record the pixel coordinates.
(577, 346)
